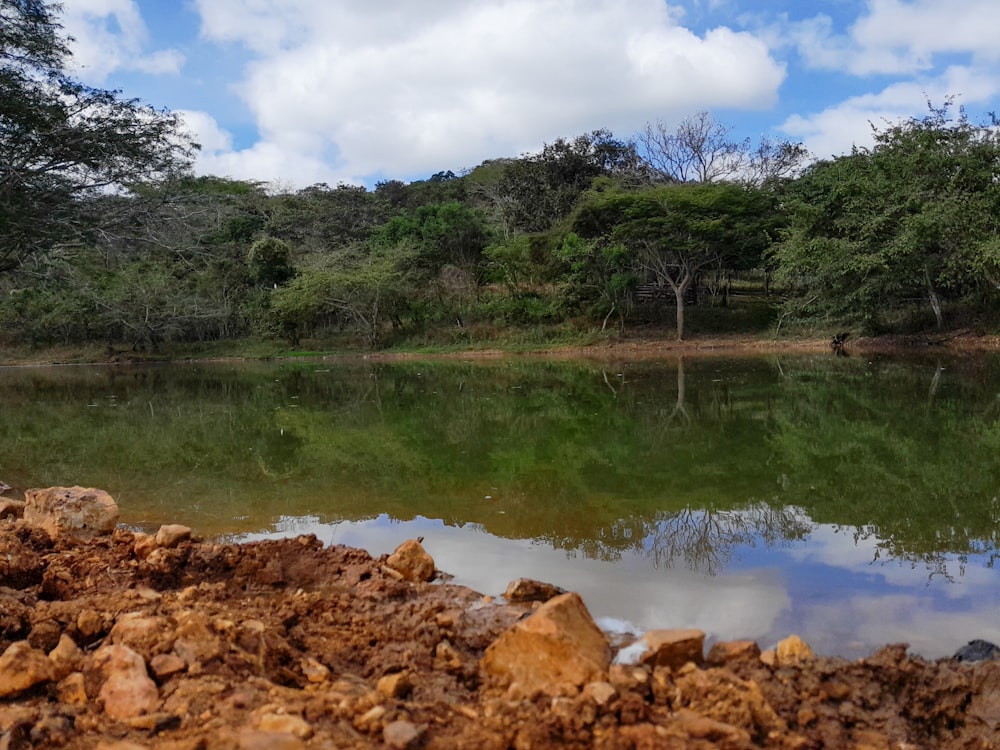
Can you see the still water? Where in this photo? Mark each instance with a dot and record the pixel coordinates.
(853, 501)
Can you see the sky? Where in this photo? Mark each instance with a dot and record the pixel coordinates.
(299, 92)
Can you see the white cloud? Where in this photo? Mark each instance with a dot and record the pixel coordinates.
(897, 37)
(110, 35)
(409, 89)
(834, 130)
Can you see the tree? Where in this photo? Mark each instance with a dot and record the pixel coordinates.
(700, 149)
(674, 231)
(913, 216)
(62, 144)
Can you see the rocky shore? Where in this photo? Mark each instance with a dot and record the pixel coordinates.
(119, 639)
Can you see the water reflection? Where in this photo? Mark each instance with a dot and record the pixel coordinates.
(747, 497)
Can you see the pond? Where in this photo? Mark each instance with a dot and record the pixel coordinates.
(853, 501)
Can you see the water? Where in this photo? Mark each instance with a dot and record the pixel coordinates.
(851, 501)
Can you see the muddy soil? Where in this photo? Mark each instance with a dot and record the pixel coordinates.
(290, 644)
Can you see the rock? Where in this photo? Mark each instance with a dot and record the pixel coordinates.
(144, 544)
(22, 667)
(147, 634)
(977, 650)
(396, 685)
(793, 651)
(66, 657)
(10, 508)
(666, 648)
(559, 645)
(528, 590)
(72, 689)
(71, 512)
(401, 734)
(165, 666)
(411, 561)
(128, 691)
(251, 739)
(600, 692)
(730, 652)
(314, 670)
(285, 723)
(172, 534)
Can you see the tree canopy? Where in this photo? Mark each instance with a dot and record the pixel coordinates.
(63, 144)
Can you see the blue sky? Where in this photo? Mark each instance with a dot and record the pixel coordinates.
(296, 92)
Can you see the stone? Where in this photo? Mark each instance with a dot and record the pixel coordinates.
(72, 689)
(559, 645)
(128, 691)
(22, 667)
(172, 534)
(600, 692)
(977, 650)
(396, 685)
(165, 666)
(793, 651)
(71, 512)
(66, 657)
(411, 561)
(146, 634)
(672, 648)
(285, 723)
(314, 670)
(731, 652)
(143, 545)
(252, 739)
(528, 590)
(401, 734)
(10, 508)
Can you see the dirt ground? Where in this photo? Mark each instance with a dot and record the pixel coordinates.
(290, 644)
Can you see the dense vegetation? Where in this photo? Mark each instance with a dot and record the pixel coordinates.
(106, 236)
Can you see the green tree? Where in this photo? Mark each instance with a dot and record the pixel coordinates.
(674, 231)
(62, 143)
(916, 215)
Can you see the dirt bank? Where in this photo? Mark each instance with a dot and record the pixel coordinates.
(131, 640)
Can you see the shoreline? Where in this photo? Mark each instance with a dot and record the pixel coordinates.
(633, 347)
(129, 640)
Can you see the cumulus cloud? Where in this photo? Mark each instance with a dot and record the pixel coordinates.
(849, 123)
(110, 35)
(408, 89)
(899, 37)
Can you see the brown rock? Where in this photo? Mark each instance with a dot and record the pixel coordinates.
(128, 691)
(73, 690)
(172, 534)
(286, 724)
(145, 634)
(401, 734)
(73, 512)
(252, 739)
(10, 508)
(672, 648)
(165, 666)
(411, 561)
(793, 651)
(558, 645)
(729, 652)
(397, 685)
(22, 667)
(144, 544)
(528, 590)
(600, 692)
(65, 657)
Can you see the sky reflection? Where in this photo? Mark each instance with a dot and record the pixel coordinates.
(830, 589)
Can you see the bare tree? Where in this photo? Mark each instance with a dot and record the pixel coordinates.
(701, 149)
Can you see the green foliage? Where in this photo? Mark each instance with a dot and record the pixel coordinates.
(439, 234)
(270, 261)
(913, 217)
(62, 144)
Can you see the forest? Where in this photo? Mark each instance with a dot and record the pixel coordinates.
(107, 237)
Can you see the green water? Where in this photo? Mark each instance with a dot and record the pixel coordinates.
(852, 501)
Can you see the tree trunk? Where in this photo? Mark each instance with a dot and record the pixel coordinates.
(935, 301)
